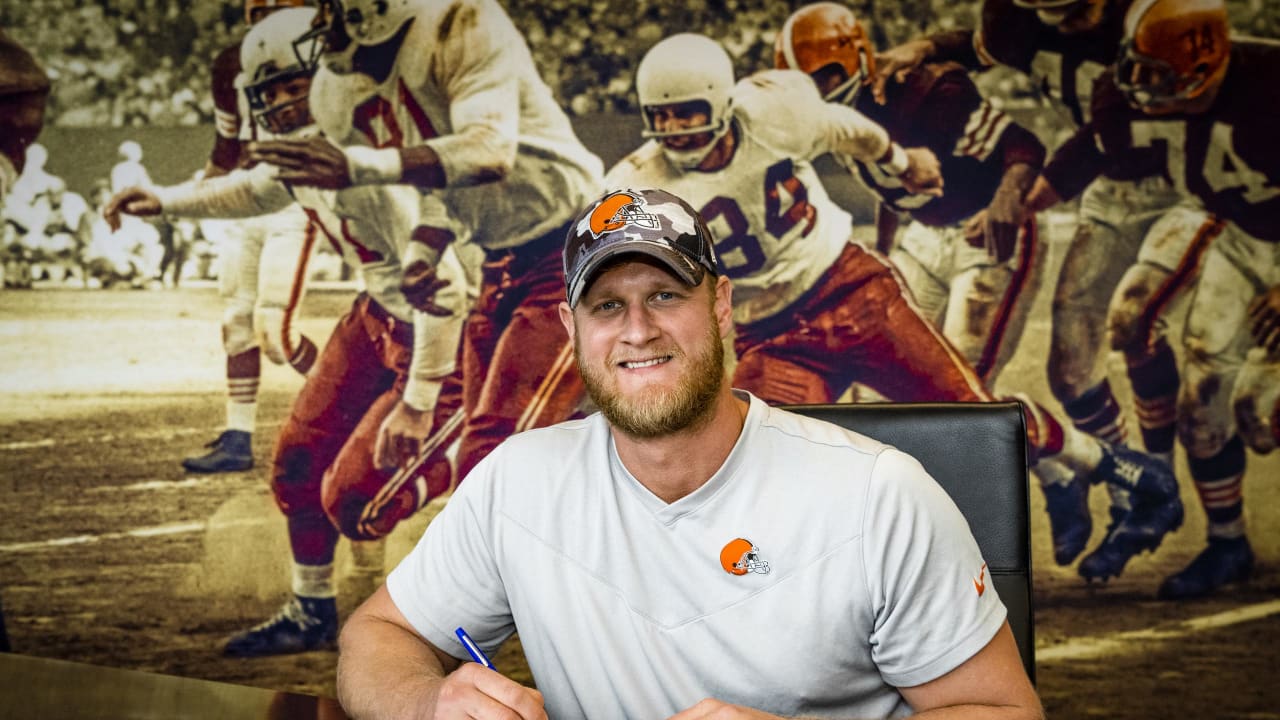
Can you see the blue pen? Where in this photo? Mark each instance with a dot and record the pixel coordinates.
(476, 653)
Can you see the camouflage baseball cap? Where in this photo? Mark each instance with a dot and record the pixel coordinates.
(651, 222)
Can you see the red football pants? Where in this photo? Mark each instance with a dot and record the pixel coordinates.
(518, 366)
(323, 474)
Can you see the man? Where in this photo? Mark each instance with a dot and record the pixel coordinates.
(648, 616)
(1188, 102)
(980, 299)
(814, 311)
(1132, 256)
(340, 467)
(446, 96)
(257, 272)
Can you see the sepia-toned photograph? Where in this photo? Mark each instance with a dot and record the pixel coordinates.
(732, 358)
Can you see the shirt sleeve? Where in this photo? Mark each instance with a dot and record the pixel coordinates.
(476, 63)
(450, 579)
(934, 604)
(242, 193)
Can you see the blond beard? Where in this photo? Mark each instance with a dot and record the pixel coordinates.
(660, 412)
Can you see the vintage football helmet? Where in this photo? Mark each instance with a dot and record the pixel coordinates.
(1173, 52)
(270, 56)
(686, 68)
(346, 25)
(740, 557)
(255, 10)
(825, 39)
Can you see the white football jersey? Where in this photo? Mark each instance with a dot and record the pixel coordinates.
(465, 84)
(776, 229)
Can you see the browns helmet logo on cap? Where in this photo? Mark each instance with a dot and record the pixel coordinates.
(617, 211)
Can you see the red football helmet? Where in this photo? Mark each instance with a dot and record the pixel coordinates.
(826, 41)
(1174, 53)
(255, 10)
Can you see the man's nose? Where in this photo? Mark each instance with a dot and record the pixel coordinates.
(639, 326)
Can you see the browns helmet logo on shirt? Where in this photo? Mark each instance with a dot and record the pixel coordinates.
(618, 210)
(740, 557)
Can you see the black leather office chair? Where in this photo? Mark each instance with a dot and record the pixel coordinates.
(978, 453)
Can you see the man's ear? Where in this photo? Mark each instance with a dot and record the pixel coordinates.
(724, 305)
(566, 319)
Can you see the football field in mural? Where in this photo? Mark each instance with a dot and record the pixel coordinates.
(109, 554)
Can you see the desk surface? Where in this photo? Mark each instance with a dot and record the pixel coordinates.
(41, 688)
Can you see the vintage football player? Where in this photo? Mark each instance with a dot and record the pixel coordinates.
(1132, 256)
(815, 312)
(445, 96)
(1189, 103)
(258, 268)
(339, 467)
(980, 298)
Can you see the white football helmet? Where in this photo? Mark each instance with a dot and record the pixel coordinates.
(271, 53)
(347, 25)
(686, 68)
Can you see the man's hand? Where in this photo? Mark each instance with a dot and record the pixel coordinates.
(924, 173)
(896, 62)
(419, 285)
(997, 228)
(314, 162)
(130, 201)
(720, 710)
(401, 436)
(1264, 320)
(474, 691)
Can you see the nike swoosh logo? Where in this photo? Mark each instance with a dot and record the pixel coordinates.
(980, 582)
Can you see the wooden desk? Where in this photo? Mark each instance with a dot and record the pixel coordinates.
(32, 687)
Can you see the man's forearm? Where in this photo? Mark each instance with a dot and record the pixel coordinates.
(384, 671)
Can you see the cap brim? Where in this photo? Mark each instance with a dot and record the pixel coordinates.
(676, 262)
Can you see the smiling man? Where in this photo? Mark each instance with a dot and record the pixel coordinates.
(855, 596)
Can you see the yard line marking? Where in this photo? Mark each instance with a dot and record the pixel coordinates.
(183, 528)
(1130, 641)
(183, 484)
(157, 434)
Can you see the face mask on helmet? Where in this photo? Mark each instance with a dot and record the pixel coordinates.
(825, 41)
(279, 67)
(1174, 55)
(693, 72)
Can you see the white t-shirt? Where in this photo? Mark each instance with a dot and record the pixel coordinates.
(625, 610)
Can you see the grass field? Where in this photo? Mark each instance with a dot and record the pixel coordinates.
(109, 554)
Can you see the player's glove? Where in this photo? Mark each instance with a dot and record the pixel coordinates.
(419, 285)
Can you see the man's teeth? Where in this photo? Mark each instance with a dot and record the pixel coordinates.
(644, 363)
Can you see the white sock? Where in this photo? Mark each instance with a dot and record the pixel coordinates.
(314, 581)
(241, 415)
